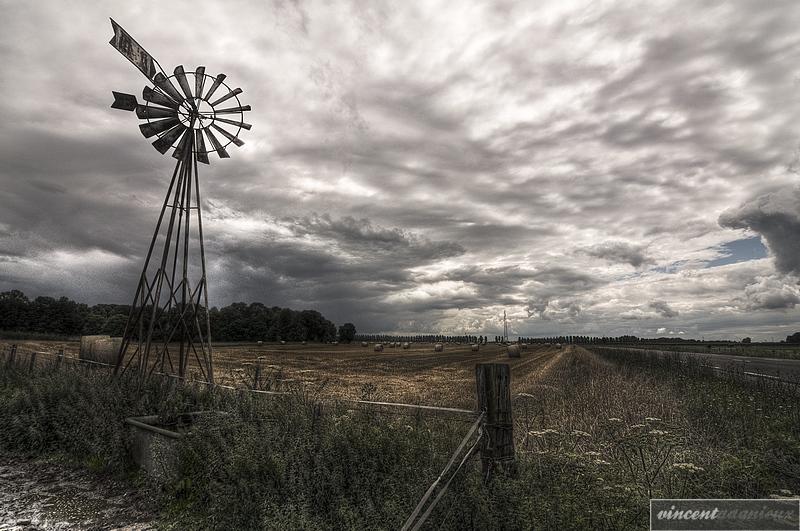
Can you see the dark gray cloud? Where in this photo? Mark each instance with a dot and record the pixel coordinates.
(621, 252)
(776, 217)
(663, 309)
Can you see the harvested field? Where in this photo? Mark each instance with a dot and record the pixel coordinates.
(415, 375)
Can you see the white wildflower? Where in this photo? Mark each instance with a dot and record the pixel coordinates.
(688, 467)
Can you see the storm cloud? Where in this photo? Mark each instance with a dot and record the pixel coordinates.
(425, 166)
(776, 217)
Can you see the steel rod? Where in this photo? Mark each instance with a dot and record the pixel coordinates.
(143, 276)
(203, 278)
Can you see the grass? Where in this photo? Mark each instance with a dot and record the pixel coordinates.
(271, 463)
(597, 435)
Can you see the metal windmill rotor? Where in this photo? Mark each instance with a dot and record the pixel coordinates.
(168, 323)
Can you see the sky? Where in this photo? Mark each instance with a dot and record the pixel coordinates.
(590, 167)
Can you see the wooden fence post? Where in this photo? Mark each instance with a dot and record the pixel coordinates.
(257, 375)
(494, 399)
(59, 358)
(32, 363)
(12, 354)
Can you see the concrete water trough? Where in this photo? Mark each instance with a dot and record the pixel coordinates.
(154, 442)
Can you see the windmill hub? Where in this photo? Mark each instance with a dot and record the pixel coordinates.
(197, 114)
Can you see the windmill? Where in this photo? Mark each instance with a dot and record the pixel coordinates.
(168, 324)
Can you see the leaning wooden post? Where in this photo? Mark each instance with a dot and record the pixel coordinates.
(32, 363)
(494, 399)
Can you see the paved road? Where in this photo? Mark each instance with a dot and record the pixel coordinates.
(774, 367)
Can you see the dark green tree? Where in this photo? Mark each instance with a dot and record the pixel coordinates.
(347, 332)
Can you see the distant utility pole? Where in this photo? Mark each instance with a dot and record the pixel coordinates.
(505, 328)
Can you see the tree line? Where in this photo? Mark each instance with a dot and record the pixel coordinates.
(236, 322)
(421, 338)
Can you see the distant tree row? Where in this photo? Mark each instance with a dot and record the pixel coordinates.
(236, 322)
(584, 340)
(255, 321)
(595, 340)
(429, 338)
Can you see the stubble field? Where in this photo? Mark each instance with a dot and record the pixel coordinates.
(416, 375)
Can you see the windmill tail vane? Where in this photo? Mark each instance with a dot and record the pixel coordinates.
(193, 114)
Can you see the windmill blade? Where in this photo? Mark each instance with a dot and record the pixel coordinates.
(227, 96)
(180, 75)
(232, 110)
(217, 146)
(199, 81)
(227, 135)
(166, 85)
(217, 82)
(125, 102)
(154, 96)
(200, 147)
(243, 125)
(184, 145)
(153, 128)
(165, 142)
(145, 111)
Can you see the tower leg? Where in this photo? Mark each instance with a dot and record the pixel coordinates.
(163, 331)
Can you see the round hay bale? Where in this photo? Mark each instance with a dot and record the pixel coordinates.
(513, 351)
(558, 345)
(406, 345)
(364, 344)
(475, 347)
(283, 342)
(438, 347)
(378, 347)
(523, 346)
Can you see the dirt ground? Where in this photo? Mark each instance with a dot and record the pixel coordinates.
(41, 495)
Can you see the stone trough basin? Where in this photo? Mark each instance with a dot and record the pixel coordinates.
(155, 442)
